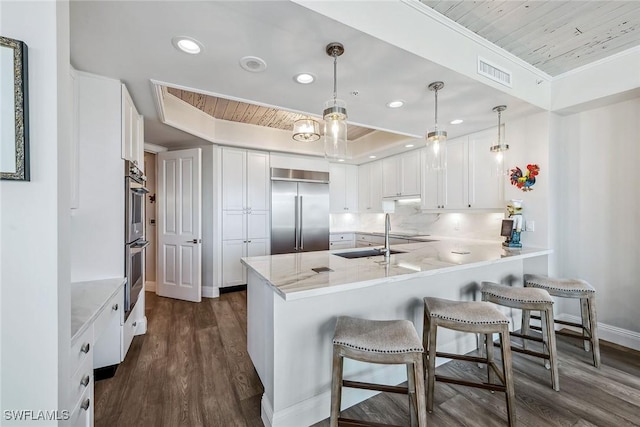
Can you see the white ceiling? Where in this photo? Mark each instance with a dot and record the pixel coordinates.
(131, 41)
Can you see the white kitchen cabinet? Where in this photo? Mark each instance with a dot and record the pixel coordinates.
(132, 131)
(468, 182)
(245, 210)
(245, 179)
(108, 332)
(486, 189)
(342, 241)
(343, 188)
(81, 379)
(370, 187)
(401, 175)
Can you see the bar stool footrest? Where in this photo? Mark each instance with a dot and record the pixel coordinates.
(494, 387)
(526, 337)
(464, 357)
(347, 422)
(378, 387)
(527, 352)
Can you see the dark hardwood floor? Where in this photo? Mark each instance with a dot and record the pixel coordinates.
(192, 369)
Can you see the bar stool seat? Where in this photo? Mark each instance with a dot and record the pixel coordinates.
(382, 342)
(577, 289)
(473, 317)
(527, 300)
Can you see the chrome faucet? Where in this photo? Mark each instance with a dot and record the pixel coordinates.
(387, 249)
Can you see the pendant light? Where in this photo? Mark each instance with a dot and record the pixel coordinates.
(306, 130)
(335, 114)
(436, 139)
(500, 147)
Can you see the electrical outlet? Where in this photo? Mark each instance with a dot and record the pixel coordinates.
(530, 225)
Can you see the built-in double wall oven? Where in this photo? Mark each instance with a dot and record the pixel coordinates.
(135, 242)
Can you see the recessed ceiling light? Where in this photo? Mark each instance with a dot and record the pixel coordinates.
(253, 64)
(409, 145)
(372, 157)
(304, 78)
(187, 45)
(456, 121)
(341, 160)
(395, 104)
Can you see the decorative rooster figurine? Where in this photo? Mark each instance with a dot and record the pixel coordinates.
(524, 182)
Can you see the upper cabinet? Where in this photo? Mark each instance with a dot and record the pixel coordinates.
(245, 180)
(401, 175)
(343, 188)
(132, 131)
(469, 181)
(370, 187)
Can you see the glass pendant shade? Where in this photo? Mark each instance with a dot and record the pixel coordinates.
(500, 167)
(437, 149)
(335, 130)
(335, 114)
(306, 130)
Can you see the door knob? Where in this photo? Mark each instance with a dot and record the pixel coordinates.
(196, 241)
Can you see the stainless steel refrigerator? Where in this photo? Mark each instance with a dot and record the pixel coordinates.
(299, 211)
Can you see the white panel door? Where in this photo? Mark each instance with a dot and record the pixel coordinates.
(258, 225)
(364, 201)
(351, 188)
(410, 174)
(179, 225)
(257, 247)
(258, 180)
(233, 272)
(486, 188)
(375, 186)
(234, 225)
(457, 174)
(234, 189)
(337, 188)
(390, 183)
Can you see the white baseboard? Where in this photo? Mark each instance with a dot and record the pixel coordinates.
(150, 286)
(609, 333)
(210, 292)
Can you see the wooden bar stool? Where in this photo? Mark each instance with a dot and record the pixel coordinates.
(577, 289)
(477, 317)
(386, 342)
(528, 299)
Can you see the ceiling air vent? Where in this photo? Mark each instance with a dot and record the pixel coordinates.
(493, 72)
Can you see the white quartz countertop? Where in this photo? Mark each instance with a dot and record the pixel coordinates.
(292, 277)
(88, 299)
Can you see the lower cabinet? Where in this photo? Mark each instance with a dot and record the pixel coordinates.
(130, 326)
(342, 241)
(108, 333)
(233, 272)
(81, 379)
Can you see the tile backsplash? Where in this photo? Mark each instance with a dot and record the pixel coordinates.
(408, 218)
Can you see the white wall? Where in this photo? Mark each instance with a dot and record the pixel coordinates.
(210, 267)
(599, 205)
(34, 223)
(97, 232)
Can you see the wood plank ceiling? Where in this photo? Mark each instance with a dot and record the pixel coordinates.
(242, 112)
(553, 36)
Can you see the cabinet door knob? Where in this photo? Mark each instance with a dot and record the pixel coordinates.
(85, 348)
(115, 307)
(134, 324)
(85, 380)
(85, 405)
(469, 204)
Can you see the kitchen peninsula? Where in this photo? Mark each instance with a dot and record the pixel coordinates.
(292, 309)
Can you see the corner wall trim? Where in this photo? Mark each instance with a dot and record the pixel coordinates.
(150, 286)
(210, 292)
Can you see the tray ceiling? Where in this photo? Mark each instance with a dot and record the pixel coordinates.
(243, 112)
(553, 36)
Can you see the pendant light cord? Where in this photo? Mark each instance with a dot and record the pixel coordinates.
(436, 115)
(335, 76)
(499, 128)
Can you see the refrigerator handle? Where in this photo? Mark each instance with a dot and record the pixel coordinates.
(301, 229)
(295, 247)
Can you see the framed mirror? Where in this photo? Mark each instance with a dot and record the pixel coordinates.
(14, 118)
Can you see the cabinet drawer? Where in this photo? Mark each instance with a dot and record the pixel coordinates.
(341, 245)
(112, 310)
(376, 240)
(81, 381)
(341, 237)
(83, 411)
(81, 349)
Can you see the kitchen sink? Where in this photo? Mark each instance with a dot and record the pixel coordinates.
(366, 253)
